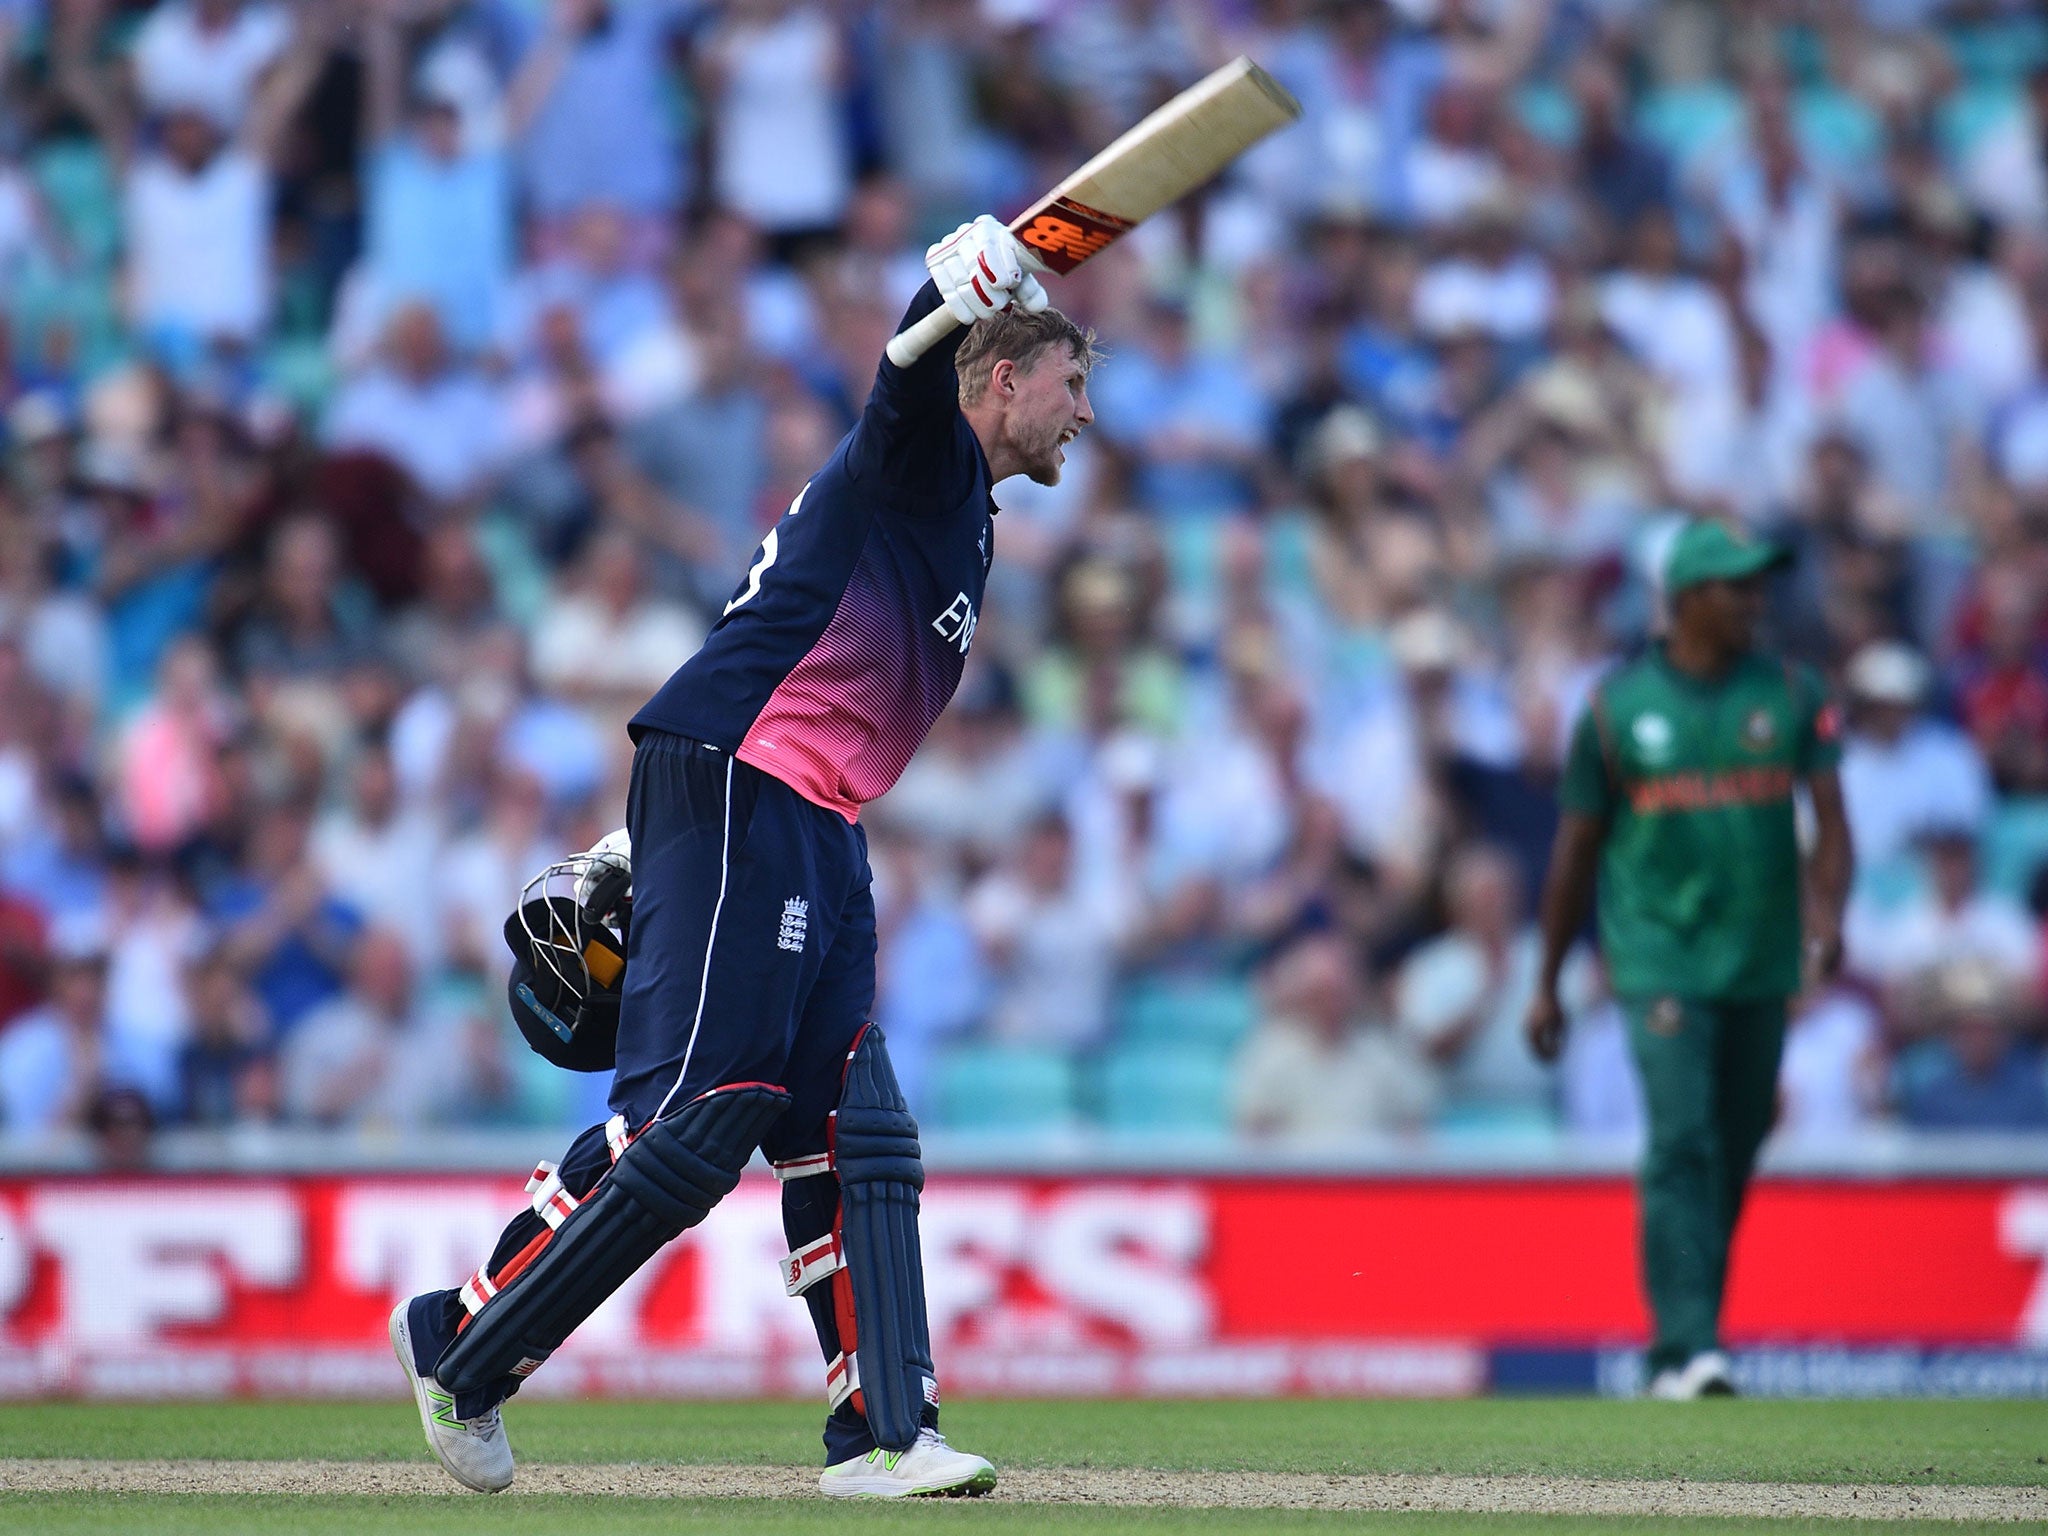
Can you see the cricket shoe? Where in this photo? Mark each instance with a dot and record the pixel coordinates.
(474, 1451)
(1704, 1375)
(930, 1468)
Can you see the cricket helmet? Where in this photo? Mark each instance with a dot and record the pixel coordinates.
(568, 943)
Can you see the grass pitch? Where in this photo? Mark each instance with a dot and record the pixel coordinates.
(1916, 1444)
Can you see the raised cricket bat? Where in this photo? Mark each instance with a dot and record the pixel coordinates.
(1160, 161)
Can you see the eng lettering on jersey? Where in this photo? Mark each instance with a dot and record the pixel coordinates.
(771, 546)
(957, 622)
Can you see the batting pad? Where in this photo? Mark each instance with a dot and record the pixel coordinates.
(665, 1182)
(881, 1172)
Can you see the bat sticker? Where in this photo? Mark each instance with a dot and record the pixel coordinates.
(1067, 233)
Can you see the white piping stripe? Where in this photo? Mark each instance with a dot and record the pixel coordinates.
(704, 987)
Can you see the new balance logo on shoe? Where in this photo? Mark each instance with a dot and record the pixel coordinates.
(444, 1410)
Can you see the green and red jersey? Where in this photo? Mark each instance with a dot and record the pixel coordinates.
(1695, 780)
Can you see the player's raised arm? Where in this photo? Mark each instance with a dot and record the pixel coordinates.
(976, 271)
(910, 434)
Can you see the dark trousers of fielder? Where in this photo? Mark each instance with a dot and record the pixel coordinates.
(1710, 1082)
(744, 1023)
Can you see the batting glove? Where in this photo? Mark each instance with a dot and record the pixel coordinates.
(979, 269)
(605, 881)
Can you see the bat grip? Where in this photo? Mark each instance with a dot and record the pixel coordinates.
(906, 347)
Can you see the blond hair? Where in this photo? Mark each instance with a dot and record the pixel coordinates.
(1021, 337)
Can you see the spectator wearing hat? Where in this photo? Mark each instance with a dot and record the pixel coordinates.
(1372, 552)
(1105, 668)
(1978, 1071)
(1903, 770)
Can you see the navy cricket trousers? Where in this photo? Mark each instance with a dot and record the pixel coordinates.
(750, 959)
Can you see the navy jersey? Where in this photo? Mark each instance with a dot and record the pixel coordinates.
(847, 635)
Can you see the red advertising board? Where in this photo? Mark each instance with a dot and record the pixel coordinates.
(280, 1285)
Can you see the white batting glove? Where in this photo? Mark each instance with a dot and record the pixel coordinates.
(979, 269)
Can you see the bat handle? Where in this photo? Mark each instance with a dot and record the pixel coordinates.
(906, 347)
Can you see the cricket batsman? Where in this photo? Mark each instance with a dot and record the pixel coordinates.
(749, 962)
(1678, 797)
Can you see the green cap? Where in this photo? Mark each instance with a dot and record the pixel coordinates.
(1709, 551)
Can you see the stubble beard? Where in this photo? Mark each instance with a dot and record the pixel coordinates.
(1045, 465)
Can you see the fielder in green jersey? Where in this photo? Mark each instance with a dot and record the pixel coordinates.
(1678, 802)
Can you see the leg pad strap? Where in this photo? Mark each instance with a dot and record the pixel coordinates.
(664, 1182)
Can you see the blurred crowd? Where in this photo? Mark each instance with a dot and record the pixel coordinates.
(394, 390)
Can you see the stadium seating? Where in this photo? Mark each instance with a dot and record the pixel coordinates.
(1211, 1013)
(2016, 846)
(1159, 1088)
(1004, 1088)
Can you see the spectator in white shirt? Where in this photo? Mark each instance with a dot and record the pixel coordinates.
(2004, 171)
(198, 219)
(1954, 918)
(1747, 449)
(784, 158)
(1490, 283)
(1452, 167)
(482, 874)
(1786, 220)
(197, 192)
(1322, 1063)
(1600, 1093)
(611, 640)
(2019, 428)
(1460, 999)
(1677, 324)
(437, 420)
(1902, 770)
(1051, 942)
(382, 856)
(1831, 1081)
(206, 56)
